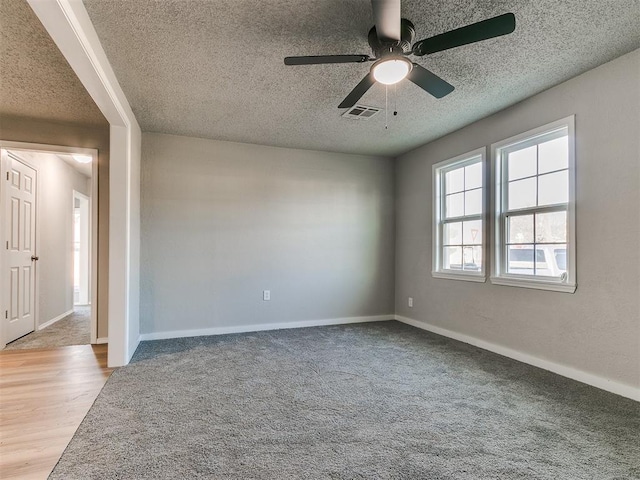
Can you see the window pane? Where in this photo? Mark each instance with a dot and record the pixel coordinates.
(553, 155)
(553, 188)
(473, 202)
(520, 229)
(551, 227)
(455, 205)
(560, 255)
(454, 181)
(472, 257)
(522, 193)
(520, 260)
(545, 262)
(452, 258)
(549, 260)
(472, 232)
(473, 176)
(544, 265)
(522, 163)
(452, 233)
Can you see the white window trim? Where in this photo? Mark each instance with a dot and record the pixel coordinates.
(498, 274)
(436, 226)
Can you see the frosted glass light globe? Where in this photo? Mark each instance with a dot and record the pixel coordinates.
(82, 158)
(391, 71)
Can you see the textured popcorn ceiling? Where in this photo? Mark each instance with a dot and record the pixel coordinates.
(35, 79)
(214, 68)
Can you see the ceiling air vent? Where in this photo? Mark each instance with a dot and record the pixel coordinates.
(361, 112)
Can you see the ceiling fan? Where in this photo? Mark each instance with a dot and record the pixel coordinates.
(391, 41)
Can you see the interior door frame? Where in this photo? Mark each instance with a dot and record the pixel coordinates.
(93, 232)
(93, 244)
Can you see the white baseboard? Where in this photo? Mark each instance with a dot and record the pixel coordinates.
(101, 340)
(258, 328)
(55, 319)
(569, 372)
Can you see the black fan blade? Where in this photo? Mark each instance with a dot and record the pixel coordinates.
(429, 82)
(356, 94)
(322, 59)
(386, 16)
(476, 32)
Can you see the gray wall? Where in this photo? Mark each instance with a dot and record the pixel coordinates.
(31, 130)
(597, 329)
(221, 222)
(56, 182)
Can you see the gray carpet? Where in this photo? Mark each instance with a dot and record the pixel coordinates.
(74, 329)
(368, 401)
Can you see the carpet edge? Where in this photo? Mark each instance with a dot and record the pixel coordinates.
(262, 327)
(597, 381)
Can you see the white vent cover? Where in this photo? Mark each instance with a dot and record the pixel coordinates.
(360, 112)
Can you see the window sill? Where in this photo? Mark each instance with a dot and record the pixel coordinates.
(467, 277)
(537, 284)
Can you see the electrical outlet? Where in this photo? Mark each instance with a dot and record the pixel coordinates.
(410, 302)
(266, 295)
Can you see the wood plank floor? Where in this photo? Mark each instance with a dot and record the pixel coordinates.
(44, 395)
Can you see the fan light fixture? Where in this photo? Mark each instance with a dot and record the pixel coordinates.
(392, 39)
(82, 158)
(391, 70)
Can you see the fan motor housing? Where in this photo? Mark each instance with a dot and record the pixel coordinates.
(383, 48)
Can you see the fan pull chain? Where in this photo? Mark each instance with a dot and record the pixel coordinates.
(395, 99)
(386, 107)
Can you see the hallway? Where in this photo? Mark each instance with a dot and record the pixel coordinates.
(74, 329)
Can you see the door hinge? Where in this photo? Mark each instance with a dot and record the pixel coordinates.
(6, 314)
(7, 176)
(7, 244)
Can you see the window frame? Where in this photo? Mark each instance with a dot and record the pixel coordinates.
(499, 151)
(439, 170)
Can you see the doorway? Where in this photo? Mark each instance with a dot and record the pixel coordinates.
(81, 250)
(48, 275)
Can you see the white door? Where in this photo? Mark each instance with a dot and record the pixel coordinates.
(20, 228)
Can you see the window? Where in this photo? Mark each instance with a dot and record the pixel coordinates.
(535, 209)
(459, 217)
